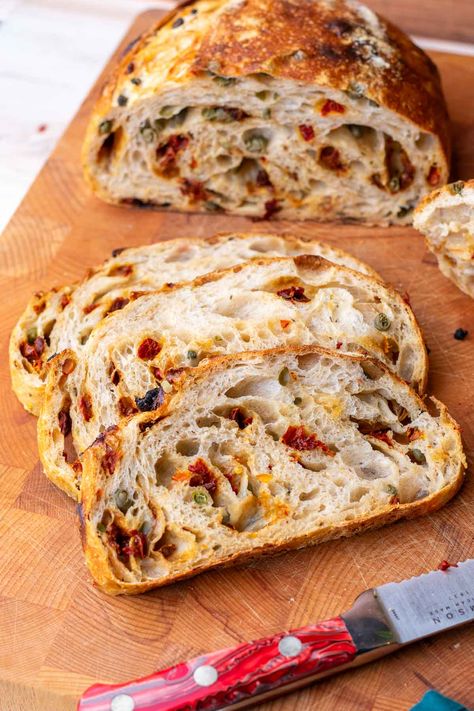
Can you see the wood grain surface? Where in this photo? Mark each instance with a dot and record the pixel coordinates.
(59, 634)
(447, 19)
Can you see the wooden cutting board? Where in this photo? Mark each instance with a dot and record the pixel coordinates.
(58, 634)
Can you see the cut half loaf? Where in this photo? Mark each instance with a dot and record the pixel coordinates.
(134, 357)
(242, 461)
(299, 109)
(446, 218)
(63, 318)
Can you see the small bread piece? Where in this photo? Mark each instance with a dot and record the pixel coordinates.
(63, 318)
(134, 357)
(295, 109)
(446, 218)
(29, 344)
(242, 461)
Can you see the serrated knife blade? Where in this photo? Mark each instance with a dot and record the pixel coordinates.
(429, 603)
(381, 621)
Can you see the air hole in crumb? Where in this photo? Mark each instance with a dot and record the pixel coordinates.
(187, 447)
(308, 495)
(85, 336)
(358, 493)
(208, 421)
(371, 371)
(165, 467)
(425, 142)
(108, 146)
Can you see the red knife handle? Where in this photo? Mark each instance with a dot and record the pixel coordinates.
(230, 676)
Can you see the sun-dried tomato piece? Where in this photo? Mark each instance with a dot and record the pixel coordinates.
(383, 436)
(194, 189)
(284, 323)
(137, 545)
(85, 406)
(148, 349)
(307, 132)
(238, 416)
(64, 300)
(126, 544)
(271, 207)
(90, 307)
(116, 377)
(332, 107)
(444, 565)
(202, 476)
(173, 374)
(110, 459)
(330, 158)
(302, 440)
(167, 152)
(117, 304)
(64, 421)
(32, 351)
(121, 270)
(151, 400)
(126, 406)
(434, 176)
(294, 293)
(414, 433)
(39, 307)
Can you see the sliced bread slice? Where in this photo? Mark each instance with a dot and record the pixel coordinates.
(63, 318)
(271, 108)
(258, 453)
(446, 218)
(134, 356)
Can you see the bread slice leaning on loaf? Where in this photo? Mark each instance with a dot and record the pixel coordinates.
(134, 357)
(63, 318)
(243, 461)
(272, 108)
(446, 218)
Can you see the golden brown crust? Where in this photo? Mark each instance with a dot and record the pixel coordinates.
(337, 43)
(445, 190)
(96, 556)
(340, 45)
(95, 552)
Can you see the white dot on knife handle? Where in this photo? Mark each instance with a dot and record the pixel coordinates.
(205, 675)
(122, 702)
(290, 646)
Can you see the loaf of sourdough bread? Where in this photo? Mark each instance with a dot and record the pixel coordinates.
(258, 453)
(63, 318)
(134, 357)
(299, 109)
(446, 218)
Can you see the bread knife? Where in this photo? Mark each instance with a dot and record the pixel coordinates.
(382, 620)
